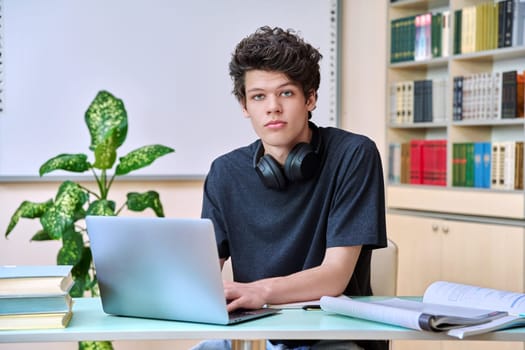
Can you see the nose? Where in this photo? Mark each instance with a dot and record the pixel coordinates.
(273, 105)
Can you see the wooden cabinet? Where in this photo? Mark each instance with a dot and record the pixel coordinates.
(432, 248)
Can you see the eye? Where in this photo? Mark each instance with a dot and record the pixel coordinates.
(258, 97)
(287, 93)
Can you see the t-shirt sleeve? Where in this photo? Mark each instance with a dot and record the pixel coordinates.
(211, 209)
(357, 215)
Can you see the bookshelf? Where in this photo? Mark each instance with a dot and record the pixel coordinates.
(447, 226)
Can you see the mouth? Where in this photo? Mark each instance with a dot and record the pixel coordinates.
(275, 124)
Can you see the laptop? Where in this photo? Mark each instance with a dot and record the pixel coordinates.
(162, 268)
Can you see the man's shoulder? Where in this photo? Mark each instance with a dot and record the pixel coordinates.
(344, 139)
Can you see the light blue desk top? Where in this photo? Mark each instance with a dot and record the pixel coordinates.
(89, 322)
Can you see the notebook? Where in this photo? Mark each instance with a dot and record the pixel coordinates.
(162, 268)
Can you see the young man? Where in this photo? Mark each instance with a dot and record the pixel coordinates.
(299, 210)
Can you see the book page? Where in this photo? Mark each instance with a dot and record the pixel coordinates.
(456, 294)
(408, 318)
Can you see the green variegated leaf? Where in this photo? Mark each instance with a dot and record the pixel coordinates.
(29, 210)
(71, 162)
(62, 214)
(72, 246)
(141, 201)
(106, 115)
(141, 158)
(41, 236)
(102, 207)
(106, 151)
(81, 274)
(95, 345)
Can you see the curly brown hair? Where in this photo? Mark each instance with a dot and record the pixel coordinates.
(276, 49)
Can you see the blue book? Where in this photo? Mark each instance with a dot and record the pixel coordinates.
(35, 305)
(487, 163)
(478, 164)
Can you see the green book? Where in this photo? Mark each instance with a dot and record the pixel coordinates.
(457, 31)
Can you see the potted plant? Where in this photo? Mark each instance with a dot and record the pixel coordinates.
(61, 218)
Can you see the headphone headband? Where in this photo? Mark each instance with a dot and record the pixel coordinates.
(301, 164)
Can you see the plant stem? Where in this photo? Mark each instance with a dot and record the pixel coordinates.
(99, 183)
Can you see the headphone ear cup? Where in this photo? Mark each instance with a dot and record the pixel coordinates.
(270, 173)
(302, 163)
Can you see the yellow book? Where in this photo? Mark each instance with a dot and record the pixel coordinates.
(35, 280)
(35, 321)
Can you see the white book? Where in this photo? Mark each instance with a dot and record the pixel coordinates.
(518, 23)
(408, 100)
(445, 34)
(438, 100)
(496, 173)
(458, 310)
(496, 94)
(393, 103)
(400, 104)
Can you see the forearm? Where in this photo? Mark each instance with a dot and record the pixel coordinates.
(330, 278)
(306, 285)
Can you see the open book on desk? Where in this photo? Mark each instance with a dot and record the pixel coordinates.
(459, 310)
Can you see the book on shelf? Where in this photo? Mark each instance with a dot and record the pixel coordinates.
(418, 162)
(405, 163)
(509, 94)
(34, 297)
(518, 28)
(35, 312)
(518, 176)
(445, 33)
(496, 165)
(35, 320)
(418, 101)
(35, 279)
(482, 164)
(22, 304)
(394, 163)
(489, 95)
(459, 310)
(489, 25)
(507, 165)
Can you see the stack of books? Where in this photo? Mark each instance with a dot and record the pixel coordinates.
(33, 297)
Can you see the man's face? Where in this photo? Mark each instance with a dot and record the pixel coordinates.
(278, 110)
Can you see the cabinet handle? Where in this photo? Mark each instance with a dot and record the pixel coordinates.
(435, 227)
(444, 229)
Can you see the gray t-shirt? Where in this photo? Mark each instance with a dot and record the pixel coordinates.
(269, 233)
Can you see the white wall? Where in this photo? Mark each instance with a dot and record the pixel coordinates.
(364, 69)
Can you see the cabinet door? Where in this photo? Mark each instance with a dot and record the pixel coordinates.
(419, 252)
(488, 255)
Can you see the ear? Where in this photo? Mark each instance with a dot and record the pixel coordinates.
(244, 110)
(311, 101)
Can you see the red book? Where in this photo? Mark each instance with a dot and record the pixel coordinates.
(416, 161)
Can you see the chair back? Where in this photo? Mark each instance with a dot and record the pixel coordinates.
(383, 270)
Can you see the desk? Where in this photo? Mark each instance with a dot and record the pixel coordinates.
(89, 322)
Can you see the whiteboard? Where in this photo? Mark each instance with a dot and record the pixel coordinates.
(166, 59)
